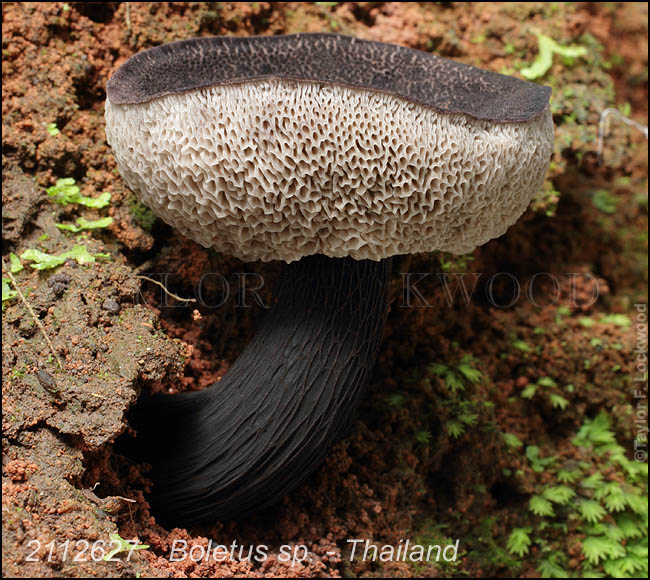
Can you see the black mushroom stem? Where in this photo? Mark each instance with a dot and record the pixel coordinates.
(244, 442)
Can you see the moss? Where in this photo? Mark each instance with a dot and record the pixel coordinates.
(430, 533)
(143, 216)
(590, 500)
(605, 201)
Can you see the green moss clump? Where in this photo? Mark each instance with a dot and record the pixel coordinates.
(590, 500)
(143, 216)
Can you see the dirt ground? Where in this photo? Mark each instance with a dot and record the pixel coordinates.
(476, 414)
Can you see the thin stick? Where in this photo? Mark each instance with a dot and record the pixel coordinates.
(29, 308)
(129, 500)
(128, 18)
(602, 125)
(165, 289)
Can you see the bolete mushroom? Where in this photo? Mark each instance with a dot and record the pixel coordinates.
(331, 154)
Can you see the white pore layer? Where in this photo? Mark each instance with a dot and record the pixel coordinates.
(277, 170)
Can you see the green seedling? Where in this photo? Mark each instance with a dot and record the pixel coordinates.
(455, 264)
(423, 437)
(509, 48)
(123, 545)
(396, 399)
(617, 320)
(546, 382)
(547, 48)
(463, 417)
(16, 266)
(604, 201)
(558, 401)
(65, 191)
(142, 214)
(512, 440)
(529, 391)
(538, 463)
(454, 375)
(456, 427)
(540, 506)
(52, 129)
(560, 494)
(521, 345)
(84, 224)
(519, 541)
(7, 292)
(44, 261)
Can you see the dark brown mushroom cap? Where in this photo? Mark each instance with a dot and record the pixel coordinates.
(441, 84)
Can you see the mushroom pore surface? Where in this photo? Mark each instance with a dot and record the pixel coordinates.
(279, 169)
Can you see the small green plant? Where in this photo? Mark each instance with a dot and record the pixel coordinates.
(519, 541)
(142, 214)
(617, 320)
(593, 500)
(44, 261)
(540, 506)
(123, 545)
(16, 266)
(52, 129)
(463, 414)
(547, 48)
(455, 264)
(455, 375)
(19, 373)
(521, 345)
(423, 437)
(605, 201)
(561, 313)
(7, 292)
(458, 414)
(512, 440)
(479, 38)
(396, 400)
(509, 48)
(84, 224)
(65, 191)
(531, 390)
(557, 401)
(546, 200)
(537, 463)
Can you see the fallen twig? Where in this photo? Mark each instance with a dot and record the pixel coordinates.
(602, 126)
(165, 289)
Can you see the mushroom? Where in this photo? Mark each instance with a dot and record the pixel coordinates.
(331, 154)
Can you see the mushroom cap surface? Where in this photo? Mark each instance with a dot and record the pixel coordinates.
(274, 148)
